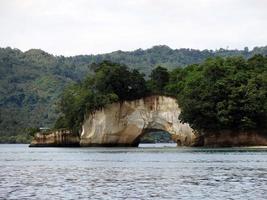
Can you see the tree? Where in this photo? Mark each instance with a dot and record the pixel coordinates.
(118, 79)
(159, 78)
(111, 82)
(226, 94)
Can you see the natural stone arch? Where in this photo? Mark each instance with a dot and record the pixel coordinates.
(121, 124)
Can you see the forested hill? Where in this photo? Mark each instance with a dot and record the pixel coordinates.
(31, 81)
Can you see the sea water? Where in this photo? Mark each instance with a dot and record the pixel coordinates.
(159, 171)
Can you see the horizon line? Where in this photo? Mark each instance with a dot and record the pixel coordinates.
(141, 49)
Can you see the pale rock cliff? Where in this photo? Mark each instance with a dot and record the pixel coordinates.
(57, 138)
(122, 124)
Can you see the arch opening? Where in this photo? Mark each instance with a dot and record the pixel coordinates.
(152, 137)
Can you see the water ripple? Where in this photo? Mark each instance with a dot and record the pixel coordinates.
(97, 173)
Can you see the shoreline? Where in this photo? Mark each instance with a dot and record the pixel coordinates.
(148, 145)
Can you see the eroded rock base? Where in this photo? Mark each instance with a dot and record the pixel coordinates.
(59, 138)
(234, 139)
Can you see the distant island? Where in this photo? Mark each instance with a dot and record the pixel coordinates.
(215, 92)
(219, 98)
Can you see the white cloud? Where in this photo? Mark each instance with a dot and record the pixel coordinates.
(98, 26)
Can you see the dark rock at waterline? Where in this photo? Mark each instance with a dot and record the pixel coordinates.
(58, 138)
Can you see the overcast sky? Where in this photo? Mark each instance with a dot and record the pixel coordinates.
(65, 27)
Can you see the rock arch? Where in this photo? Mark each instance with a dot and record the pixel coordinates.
(121, 124)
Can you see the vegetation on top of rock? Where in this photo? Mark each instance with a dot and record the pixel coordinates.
(218, 94)
(159, 79)
(223, 94)
(111, 82)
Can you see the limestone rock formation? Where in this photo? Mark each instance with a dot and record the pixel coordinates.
(57, 138)
(122, 124)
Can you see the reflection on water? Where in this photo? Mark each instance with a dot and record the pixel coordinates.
(132, 173)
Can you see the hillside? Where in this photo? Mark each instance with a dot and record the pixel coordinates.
(31, 81)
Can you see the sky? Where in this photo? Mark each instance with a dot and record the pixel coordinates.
(72, 27)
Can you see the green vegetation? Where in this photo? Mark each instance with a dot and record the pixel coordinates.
(218, 94)
(110, 83)
(223, 94)
(25, 137)
(31, 82)
(159, 78)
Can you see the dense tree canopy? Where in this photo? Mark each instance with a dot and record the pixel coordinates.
(31, 82)
(159, 78)
(111, 82)
(219, 94)
(223, 94)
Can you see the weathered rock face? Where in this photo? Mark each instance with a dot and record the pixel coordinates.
(58, 138)
(233, 138)
(122, 124)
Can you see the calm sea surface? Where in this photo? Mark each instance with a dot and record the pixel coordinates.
(132, 173)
